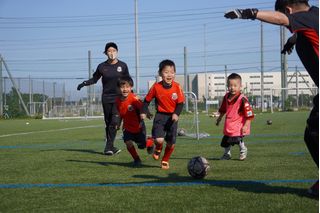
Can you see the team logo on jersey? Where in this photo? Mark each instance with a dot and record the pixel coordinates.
(130, 108)
(174, 96)
(119, 69)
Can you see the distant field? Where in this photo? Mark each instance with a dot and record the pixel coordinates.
(57, 166)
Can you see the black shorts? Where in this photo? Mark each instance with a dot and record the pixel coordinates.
(138, 138)
(227, 141)
(164, 127)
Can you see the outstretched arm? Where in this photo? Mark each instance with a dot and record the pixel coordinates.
(272, 17)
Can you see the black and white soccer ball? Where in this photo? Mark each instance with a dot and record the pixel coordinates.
(181, 132)
(198, 167)
(269, 122)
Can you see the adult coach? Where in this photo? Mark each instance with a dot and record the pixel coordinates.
(110, 71)
(302, 20)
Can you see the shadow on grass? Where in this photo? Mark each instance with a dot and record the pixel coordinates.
(123, 164)
(90, 151)
(173, 179)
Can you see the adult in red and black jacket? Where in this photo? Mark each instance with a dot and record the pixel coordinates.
(302, 20)
(110, 71)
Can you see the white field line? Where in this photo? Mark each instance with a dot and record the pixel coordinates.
(46, 131)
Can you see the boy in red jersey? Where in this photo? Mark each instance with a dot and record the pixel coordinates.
(134, 130)
(238, 118)
(169, 99)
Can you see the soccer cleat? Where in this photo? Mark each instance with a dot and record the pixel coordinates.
(243, 153)
(116, 150)
(137, 162)
(156, 154)
(225, 156)
(164, 165)
(150, 149)
(109, 152)
(314, 190)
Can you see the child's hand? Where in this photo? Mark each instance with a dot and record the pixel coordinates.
(143, 116)
(244, 129)
(175, 117)
(218, 121)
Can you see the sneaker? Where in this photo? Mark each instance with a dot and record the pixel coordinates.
(150, 149)
(109, 152)
(225, 157)
(243, 153)
(164, 165)
(156, 154)
(116, 150)
(137, 162)
(314, 190)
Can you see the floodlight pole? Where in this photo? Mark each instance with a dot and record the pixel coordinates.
(262, 71)
(186, 86)
(1, 88)
(136, 45)
(205, 66)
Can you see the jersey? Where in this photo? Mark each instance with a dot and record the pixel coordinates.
(306, 25)
(237, 110)
(166, 99)
(129, 111)
(110, 73)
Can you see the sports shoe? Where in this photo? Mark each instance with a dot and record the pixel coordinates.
(243, 153)
(150, 149)
(156, 154)
(137, 162)
(314, 190)
(116, 150)
(164, 165)
(109, 152)
(225, 156)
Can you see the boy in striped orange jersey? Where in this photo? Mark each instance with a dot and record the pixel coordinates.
(169, 99)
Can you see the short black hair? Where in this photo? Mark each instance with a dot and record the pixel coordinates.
(125, 80)
(280, 5)
(164, 63)
(108, 45)
(234, 76)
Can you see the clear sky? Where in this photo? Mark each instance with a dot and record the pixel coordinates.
(49, 39)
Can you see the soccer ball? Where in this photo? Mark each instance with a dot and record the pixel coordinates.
(198, 167)
(181, 132)
(269, 122)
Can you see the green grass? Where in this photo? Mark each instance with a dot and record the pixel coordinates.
(68, 152)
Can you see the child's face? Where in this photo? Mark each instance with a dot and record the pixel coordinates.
(234, 86)
(112, 53)
(168, 73)
(125, 90)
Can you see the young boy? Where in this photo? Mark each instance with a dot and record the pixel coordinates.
(134, 130)
(302, 20)
(169, 99)
(238, 117)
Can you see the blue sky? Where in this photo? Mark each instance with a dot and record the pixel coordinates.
(48, 39)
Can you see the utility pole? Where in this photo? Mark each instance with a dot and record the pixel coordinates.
(297, 87)
(262, 71)
(226, 77)
(186, 77)
(89, 87)
(136, 45)
(284, 68)
(1, 88)
(205, 66)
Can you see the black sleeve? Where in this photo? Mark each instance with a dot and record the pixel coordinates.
(178, 109)
(144, 109)
(95, 78)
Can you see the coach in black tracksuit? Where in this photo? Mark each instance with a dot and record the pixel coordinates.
(110, 71)
(302, 20)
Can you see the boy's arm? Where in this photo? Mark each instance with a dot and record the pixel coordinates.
(219, 118)
(272, 17)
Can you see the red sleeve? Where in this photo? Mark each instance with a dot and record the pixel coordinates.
(246, 109)
(151, 94)
(223, 107)
(137, 103)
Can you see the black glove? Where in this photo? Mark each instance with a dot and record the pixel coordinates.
(81, 85)
(242, 13)
(288, 47)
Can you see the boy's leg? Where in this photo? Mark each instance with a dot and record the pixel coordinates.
(243, 150)
(158, 148)
(131, 149)
(227, 148)
(158, 133)
(171, 128)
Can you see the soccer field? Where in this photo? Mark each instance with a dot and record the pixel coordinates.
(57, 166)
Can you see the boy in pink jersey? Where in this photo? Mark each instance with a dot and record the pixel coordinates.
(239, 114)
